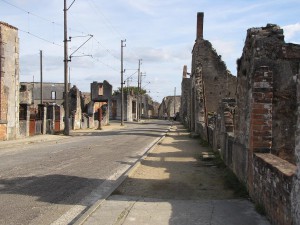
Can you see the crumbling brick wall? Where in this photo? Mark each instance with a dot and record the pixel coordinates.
(210, 80)
(224, 128)
(266, 47)
(9, 82)
(265, 119)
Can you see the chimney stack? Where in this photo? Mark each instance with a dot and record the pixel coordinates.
(184, 71)
(200, 16)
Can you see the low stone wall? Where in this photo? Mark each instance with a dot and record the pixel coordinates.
(272, 185)
(240, 161)
(201, 130)
(211, 136)
(84, 122)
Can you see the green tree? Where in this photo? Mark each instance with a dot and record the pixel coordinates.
(128, 89)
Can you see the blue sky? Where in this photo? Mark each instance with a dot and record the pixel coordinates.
(161, 33)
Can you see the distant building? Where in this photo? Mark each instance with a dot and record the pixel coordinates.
(52, 92)
(101, 98)
(9, 82)
(167, 106)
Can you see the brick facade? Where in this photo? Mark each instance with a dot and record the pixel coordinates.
(261, 111)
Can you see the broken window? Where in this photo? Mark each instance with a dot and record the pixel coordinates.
(133, 107)
(53, 95)
(100, 91)
(23, 112)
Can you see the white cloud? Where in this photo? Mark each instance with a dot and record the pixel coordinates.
(143, 6)
(290, 31)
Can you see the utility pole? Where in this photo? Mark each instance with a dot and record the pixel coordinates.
(139, 87)
(66, 60)
(41, 70)
(174, 101)
(122, 91)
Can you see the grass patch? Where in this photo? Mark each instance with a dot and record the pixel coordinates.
(232, 182)
(260, 209)
(204, 143)
(218, 161)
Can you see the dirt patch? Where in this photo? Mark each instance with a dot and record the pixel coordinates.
(174, 170)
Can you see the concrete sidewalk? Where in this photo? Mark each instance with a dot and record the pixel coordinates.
(172, 185)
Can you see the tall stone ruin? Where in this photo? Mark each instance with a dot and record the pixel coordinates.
(210, 82)
(265, 122)
(9, 82)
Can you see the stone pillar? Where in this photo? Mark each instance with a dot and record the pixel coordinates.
(200, 17)
(27, 120)
(261, 111)
(51, 117)
(184, 73)
(260, 135)
(43, 116)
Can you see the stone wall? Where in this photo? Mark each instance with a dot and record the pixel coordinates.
(101, 92)
(9, 82)
(185, 98)
(295, 197)
(223, 127)
(219, 82)
(263, 150)
(266, 47)
(75, 107)
(210, 82)
(167, 106)
(272, 184)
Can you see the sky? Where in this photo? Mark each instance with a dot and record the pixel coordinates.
(160, 32)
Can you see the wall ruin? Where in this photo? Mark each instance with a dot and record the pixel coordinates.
(9, 82)
(210, 82)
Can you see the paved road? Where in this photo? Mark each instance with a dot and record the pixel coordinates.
(53, 182)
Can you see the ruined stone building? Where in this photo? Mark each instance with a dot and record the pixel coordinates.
(9, 82)
(130, 106)
(169, 105)
(256, 131)
(53, 93)
(209, 82)
(265, 122)
(45, 113)
(131, 100)
(185, 109)
(148, 109)
(101, 98)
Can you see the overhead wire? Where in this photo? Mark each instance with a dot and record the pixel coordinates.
(58, 24)
(109, 25)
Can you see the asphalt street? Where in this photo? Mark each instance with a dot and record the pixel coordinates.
(55, 181)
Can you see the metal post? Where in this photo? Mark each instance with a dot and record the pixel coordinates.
(41, 68)
(122, 91)
(66, 97)
(138, 94)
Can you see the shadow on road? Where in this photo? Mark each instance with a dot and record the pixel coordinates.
(58, 189)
